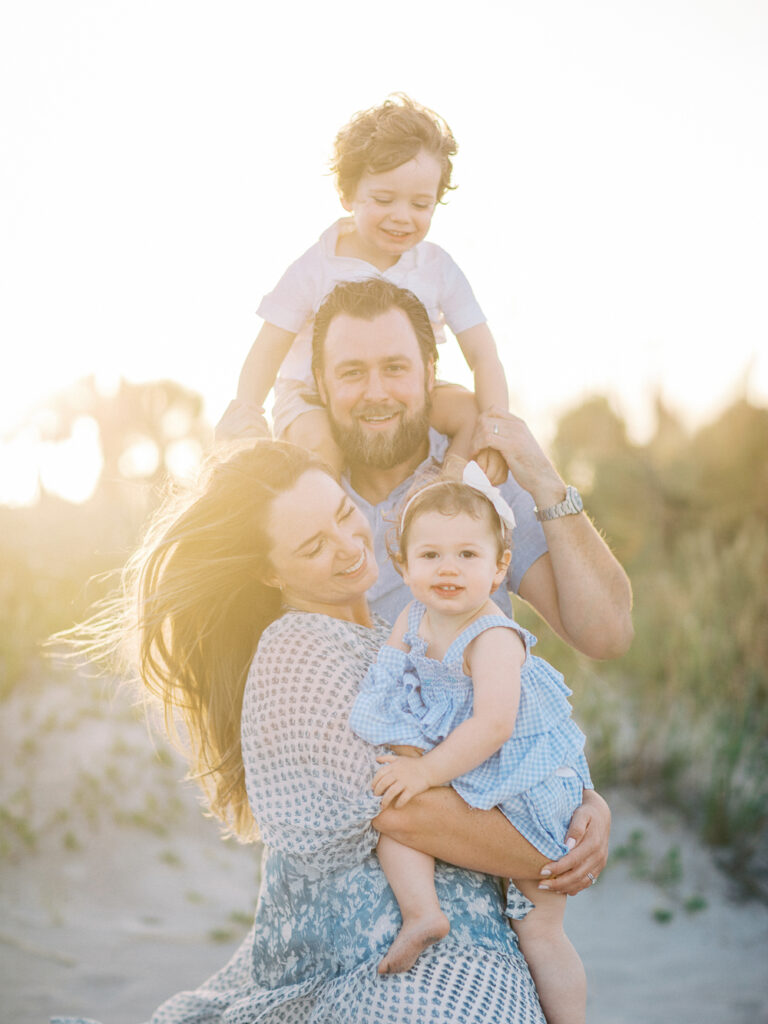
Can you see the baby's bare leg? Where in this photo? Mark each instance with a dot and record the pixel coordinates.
(555, 965)
(411, 876)
(311, 430)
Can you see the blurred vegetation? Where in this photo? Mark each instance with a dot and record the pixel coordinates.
(683, 717)
(57, 557)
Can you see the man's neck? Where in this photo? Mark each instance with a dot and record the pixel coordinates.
(375, 485)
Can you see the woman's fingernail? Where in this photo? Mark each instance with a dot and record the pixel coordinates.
(545, 887)
(570, 842)
(545, 872)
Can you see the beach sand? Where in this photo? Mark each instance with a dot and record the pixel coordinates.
(116, 891)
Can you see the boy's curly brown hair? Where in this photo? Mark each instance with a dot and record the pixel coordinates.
(387, 136)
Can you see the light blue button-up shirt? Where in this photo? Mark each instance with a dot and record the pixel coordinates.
(389, 595)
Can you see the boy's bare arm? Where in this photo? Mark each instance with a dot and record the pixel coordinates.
(244, 417)
(479, 349)
(260, 368)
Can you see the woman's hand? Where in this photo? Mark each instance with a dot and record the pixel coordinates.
(589, 831)
(399, 779)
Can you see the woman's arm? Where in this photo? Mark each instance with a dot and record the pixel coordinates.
(438, 822)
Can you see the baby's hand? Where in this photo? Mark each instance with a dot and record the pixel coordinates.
(399, 779)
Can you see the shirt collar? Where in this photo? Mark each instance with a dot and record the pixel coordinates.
(438, 444)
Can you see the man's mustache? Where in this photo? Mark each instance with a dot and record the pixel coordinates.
(378, 410)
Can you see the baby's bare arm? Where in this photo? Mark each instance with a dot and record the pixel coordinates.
(493, 660)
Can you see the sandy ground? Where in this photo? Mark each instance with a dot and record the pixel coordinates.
(116, 892)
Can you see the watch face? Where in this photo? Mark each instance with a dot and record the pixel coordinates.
(575, 498)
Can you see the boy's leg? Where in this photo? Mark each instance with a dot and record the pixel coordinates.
(411, 876)
(454, 413)
(311, 430)
(554, 964)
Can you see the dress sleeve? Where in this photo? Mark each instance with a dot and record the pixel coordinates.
(308, 776)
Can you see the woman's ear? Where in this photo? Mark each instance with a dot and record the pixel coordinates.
(501, 568)
(270, 580)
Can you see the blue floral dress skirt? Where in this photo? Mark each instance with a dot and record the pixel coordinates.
(326, 915)
(536, 778)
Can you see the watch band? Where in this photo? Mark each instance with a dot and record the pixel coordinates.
(571, 505)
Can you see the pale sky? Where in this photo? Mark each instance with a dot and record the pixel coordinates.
(164, 161)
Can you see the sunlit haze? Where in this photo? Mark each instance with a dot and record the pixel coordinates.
(163, 163)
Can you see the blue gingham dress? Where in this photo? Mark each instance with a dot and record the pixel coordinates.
(536, 778)
(326, 915)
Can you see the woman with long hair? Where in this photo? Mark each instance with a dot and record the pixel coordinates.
(245, 615)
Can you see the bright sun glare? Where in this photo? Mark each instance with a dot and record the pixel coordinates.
(611, 213)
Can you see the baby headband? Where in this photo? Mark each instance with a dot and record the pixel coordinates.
(475, 478)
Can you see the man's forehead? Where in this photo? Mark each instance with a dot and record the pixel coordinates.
(390, 333)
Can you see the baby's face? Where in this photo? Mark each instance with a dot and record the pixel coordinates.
(393, 209)
(452, 563)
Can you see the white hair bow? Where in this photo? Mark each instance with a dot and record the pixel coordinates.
(474, 477)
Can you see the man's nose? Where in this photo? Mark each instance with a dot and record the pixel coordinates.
(374, 386)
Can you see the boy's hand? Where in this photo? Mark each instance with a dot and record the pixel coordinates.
(493, 465)
(399, 779)
(512, 439)
(242, 419)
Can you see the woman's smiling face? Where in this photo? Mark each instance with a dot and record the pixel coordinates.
(322, 550)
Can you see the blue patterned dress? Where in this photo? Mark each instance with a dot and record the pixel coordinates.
(536, 778)
(326, 915)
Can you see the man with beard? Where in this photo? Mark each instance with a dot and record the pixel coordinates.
(374, 358)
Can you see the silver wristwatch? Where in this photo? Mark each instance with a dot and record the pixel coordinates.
(570, 506)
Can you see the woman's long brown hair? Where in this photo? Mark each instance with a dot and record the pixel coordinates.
(193, 608)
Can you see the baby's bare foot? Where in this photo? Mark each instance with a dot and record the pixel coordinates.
(413, 938)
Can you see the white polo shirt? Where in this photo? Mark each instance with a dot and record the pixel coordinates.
(426, 270)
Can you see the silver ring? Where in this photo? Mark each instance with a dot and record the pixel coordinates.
(591, 877)
(495, 428)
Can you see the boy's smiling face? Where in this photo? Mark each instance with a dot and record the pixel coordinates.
(393, 209)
